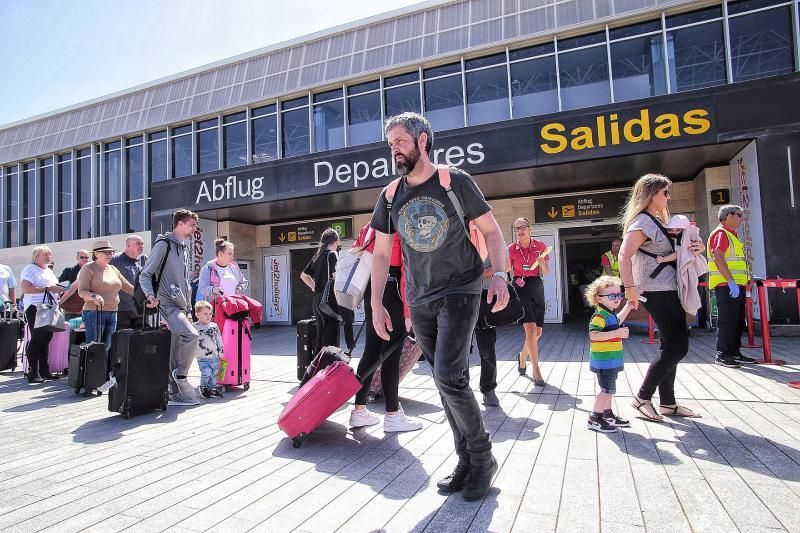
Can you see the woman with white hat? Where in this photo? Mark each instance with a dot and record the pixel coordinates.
(99, 284)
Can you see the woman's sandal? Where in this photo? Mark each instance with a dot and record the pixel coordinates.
(678, 410)
(646, 409)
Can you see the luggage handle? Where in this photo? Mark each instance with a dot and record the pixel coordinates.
(98, 312)
(398, 342)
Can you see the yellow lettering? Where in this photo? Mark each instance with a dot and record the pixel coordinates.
(582, 138)
(667, 126)
(601, 130)
(643, 122)
(550, 133)
(696, 121)
(614, 128)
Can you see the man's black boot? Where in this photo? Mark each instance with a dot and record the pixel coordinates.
(455, 481)
(480, 480)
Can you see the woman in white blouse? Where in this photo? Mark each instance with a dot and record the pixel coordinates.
(37, 279)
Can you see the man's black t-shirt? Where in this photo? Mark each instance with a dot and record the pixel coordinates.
(69, 274)
(320, 268)
(438, 256)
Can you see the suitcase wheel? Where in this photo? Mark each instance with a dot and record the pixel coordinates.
(223, 388)
(298, 440)
(371, 397)
(99, 393)
(126, 407)
(77, 391)
(246, 386)
(165, 401)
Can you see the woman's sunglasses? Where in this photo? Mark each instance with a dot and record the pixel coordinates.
(614, 296)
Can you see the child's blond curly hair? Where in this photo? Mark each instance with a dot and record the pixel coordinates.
(603, 282)
(203, 304)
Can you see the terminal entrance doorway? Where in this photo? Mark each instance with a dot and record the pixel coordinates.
(301, 296)
(582, 249)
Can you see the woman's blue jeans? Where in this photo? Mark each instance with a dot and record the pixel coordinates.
(106, 321)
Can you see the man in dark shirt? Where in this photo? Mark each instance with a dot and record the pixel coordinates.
(71, 303)
(443, 284)
(130, 262)
(71, 273)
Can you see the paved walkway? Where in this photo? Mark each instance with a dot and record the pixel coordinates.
(67, 464)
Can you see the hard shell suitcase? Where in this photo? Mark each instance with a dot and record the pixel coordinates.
(306, 341)
(322, 396)
(236, 341)
(140, 366)
(412, 349)
(10, 329)
(57, 350)
(87, 365)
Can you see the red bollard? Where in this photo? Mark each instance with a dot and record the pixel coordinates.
(751, 337)
(762, 306)
(651, 331)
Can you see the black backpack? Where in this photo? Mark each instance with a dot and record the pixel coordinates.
(139, 297)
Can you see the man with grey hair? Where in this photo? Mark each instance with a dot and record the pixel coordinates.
(70, 302)
(130, 262)
(728, 276)
(429, 207)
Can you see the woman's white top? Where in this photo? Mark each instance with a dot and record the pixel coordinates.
(39, 277)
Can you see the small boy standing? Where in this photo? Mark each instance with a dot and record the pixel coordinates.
(209, 349)
(605, 352)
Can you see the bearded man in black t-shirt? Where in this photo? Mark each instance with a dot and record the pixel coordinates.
(443, 283)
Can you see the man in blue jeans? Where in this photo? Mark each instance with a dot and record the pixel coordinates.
(443, 284)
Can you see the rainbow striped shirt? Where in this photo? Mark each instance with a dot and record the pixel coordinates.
(605, 354)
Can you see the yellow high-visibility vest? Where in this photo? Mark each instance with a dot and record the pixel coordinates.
(614, 263)
(734, 257)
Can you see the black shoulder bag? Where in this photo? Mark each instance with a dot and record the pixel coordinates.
(328, 304)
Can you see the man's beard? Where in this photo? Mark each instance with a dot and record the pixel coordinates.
(410, 161)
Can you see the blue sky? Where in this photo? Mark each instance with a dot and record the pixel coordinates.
(55, 53)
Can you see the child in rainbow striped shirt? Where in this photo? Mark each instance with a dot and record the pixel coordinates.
(605, 353)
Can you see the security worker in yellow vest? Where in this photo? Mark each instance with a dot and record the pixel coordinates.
(610, 259)
(728, 275)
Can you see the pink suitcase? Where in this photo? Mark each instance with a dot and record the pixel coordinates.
(58, 351)
(236, 341)
(324, 393)
(317, 400)
(412, 350)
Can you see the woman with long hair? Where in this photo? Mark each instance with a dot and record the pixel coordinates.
(319, 270)
(524, 254)
(220, 277)
(645, 239)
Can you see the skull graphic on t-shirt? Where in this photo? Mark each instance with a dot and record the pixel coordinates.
(423, 223)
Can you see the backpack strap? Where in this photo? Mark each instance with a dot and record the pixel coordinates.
(661, 266)
(446, 183)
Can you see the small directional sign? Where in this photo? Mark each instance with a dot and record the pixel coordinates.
(309, 231)
(585, 206)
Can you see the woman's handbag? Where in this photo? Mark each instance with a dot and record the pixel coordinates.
(510, 314)
(48, 315)
(328, 303)
(352, 275)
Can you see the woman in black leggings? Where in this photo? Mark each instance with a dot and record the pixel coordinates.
(645, 239)
(395, 419)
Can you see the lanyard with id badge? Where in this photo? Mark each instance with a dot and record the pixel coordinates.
(526, 265)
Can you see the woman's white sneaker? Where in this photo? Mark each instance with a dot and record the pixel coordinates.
(362, 417)
(400, 422)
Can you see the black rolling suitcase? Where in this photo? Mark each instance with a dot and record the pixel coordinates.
(306, 341)
(87, 365)
(140, 366)
(10, 335)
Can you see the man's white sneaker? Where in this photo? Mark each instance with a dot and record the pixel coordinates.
(362, 417)
(400, 422)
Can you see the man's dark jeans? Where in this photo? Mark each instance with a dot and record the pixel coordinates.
(730, 320)
(486, 338)
(444, 328)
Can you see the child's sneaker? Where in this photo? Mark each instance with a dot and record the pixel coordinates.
(599, 424)
(205, 392)
(362, 417)
(614, 420)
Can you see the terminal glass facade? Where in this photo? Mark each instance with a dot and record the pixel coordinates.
(52, 197)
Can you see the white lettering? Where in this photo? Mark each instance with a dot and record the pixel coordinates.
(454, 156)
(436, 154)
(358, 176)
(381, 169)
(476, 150)
(343, 173)
(255, 189)
(317, 166)
(203, 193)
(219, 191)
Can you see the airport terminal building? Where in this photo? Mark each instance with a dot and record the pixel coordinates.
(554, 106)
